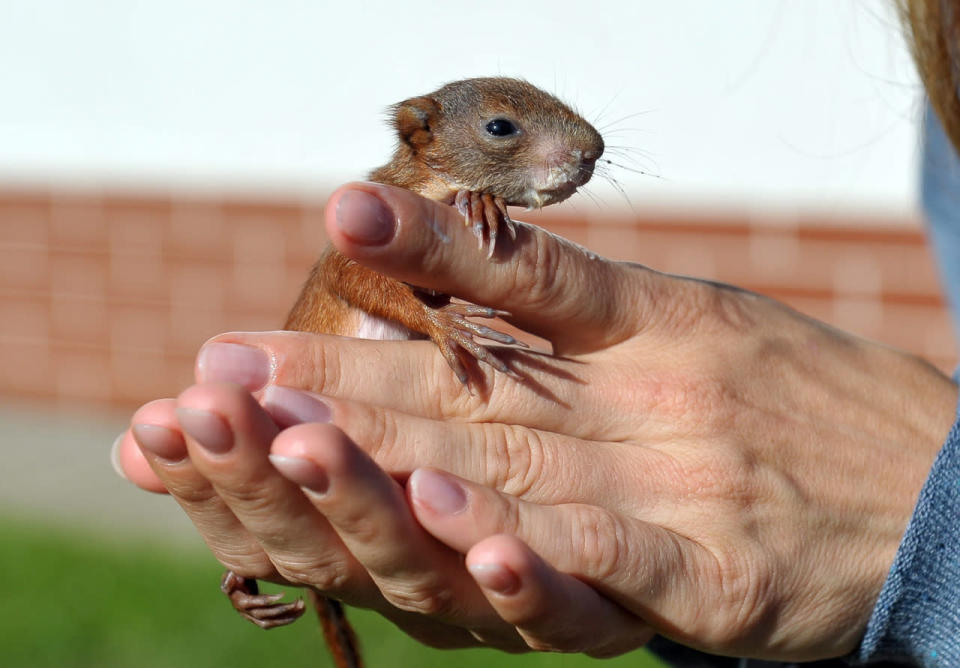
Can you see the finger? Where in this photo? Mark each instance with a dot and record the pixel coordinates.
(651, 572)
(341, 367)
(228, 436)
(367, 508)
(553, 611)
(539, 466)
(157, 432)
(129, 463)
(552, 287)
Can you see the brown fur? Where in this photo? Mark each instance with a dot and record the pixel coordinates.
(338, 283)
(337, 631)
(443, 148)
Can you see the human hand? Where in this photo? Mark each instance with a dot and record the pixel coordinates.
(258, 525)
(704, 457)
(209, 448)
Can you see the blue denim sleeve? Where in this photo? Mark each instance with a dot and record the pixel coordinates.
(940, 190)
(917, 617)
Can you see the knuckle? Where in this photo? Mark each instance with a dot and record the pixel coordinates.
(362, 528)
(600, 540)
(320, 370)
(686, 312)
(711, 307)
(249, 497)
(515, 459)
(747, 587)
(191, 494)
(730, 308)
(744, 601)
(542, 260)
(425, 597)
(377, 429)
(331, 578)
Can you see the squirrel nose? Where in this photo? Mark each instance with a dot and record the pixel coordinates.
(588, 155)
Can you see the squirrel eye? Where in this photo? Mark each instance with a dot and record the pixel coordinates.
(501, 127)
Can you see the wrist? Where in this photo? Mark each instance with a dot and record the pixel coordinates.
(914, 617)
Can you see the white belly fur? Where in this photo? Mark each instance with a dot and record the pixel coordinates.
(372, 327)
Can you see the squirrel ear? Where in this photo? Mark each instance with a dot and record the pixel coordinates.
(414, 118)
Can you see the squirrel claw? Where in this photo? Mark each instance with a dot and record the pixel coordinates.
(465, 310)
(454, 333)
(508, 222)
(484, 213)
(264, 610)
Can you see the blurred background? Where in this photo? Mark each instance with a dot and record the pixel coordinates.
(163, 170)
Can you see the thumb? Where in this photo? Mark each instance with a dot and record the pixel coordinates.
(552, 287)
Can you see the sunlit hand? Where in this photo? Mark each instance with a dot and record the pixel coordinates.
(693, 456)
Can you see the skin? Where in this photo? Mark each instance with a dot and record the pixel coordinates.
(693, 459)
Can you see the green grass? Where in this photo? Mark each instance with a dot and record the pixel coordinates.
(69, 599)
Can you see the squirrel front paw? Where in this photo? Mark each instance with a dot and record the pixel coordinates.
(483, 212)
(453, 332)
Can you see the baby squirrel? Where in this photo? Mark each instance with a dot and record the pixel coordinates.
(478, 144)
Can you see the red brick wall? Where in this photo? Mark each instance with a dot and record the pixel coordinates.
(108, 297)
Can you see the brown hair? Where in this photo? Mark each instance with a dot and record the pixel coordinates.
(933, 30)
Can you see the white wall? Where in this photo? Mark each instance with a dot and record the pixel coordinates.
(794, 102)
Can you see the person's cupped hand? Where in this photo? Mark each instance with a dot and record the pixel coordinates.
(691, 459)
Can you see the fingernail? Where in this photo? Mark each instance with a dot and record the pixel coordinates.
(495, 577)
(161, 441)
(233, 363)
(437, 492)
(115, 457)
(364, 218)
(302, 472)
(208, 429)
(288, 407)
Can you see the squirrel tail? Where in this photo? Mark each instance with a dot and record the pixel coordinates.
(341, 640)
